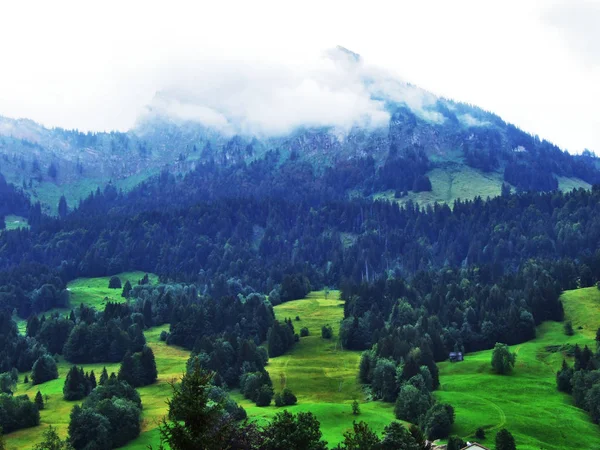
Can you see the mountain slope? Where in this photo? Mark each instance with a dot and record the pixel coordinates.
(414, 145)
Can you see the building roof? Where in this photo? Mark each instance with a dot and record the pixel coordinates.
(475, 446)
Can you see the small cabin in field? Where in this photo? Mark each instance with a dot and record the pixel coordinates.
(455, 356)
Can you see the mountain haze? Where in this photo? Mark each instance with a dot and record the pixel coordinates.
(340, 113)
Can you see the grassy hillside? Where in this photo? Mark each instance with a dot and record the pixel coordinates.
(527, 402)
(321, 374)
(92, 292)
(14, 222)
(170, 362)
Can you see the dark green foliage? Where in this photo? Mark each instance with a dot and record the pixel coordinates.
(163, 335)
(397, 437)
(17, 412)
(480, 433)
(563, 378)
(103, 377)
(505, 440)
(44, 369)
(327, 332)
(26, 380)
(63, 209)
(383, 380)
(52, 441)
(304, 332)
(361, 437)
(126, 289)
(114, 283)
(39, 400)
(139, 369)
(285, 398)
(109, 417)
(438, 421)
(455, 443)
(355, 408)
(293, 432)
(503, 360)
(192, 422)
(7, 383)
(411, 404)
(294, 287)
(106, 339)
(280, 338)
(77, 384)
(264, 395)
(568, 327)
(89, 430)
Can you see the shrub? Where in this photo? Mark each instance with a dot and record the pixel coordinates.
(480, 433)
(114, 283)
(304, 332)
(355, 408)
(164, 335)
(327, 332)
(44, 369)
(264, 395)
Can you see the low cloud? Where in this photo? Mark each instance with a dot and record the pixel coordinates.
(337, 90)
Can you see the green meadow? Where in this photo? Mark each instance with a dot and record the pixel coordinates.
(322, 375)
(15, 222)
(324, 378)
(526, 402)
(170, 362)
(93, 293)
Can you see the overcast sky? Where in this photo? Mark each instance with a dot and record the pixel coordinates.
(94, 65)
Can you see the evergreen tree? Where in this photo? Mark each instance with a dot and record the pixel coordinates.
(126, 289)
(63, 209)
(149, 374)
(147, 313)
(103, 377)
(114, 283)
(39, 400)
(76, 386)
(505, 440)
(128, 371)
(194, 420)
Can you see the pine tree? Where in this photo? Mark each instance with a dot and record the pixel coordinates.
(505, 440)
(127, 371)
(103, 377)
(148, 366)
(63, 209)
(75, 387)
(92, 381)
(126, 289)
(148, 313)
(39, 401)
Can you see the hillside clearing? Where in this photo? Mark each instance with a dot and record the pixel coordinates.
(526, 402)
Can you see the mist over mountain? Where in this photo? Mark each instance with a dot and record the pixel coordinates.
(336, 111)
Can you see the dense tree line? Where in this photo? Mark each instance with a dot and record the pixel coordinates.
(217, 225)
(582, 380)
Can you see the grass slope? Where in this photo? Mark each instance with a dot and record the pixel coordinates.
(14, 222)
(92, 292)
(320, 373)
(170, 362)
(526, 402)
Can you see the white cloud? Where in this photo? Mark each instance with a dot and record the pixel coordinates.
(268, 99)
(95, 65)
